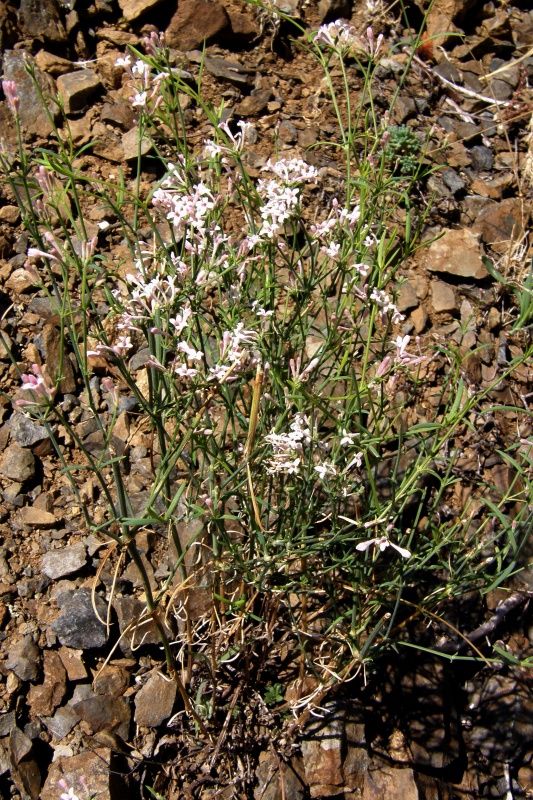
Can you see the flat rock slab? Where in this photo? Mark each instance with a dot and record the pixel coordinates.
(133, 9)
(45, 697)
(501, 223)
(42, 19)
(155, 701)
(32, 115)
(78, 626)
(87, 773)
(58, 563)
(196, 22)
(77, 88)
(36, 518)
(23, 659)
(458, 253)
(17, 463)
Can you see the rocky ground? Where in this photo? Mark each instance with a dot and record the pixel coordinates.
(78, 700)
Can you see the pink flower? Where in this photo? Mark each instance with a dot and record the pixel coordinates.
(13, 100)
(39, 387)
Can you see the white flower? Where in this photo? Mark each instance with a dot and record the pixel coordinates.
(332, 250)
(183, 371)
(348, 438)
(181, 320)
(70, 795)
(124, 61)
(139, 100)
(324, 469)
(338, 35)
(292, 170)
(382, 543)
(190, 352)
(288, 447)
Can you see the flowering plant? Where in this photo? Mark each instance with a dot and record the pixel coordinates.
(252, 335)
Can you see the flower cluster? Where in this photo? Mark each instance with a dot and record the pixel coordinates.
(186, 209)
(281, 195)
(288, 448)
(146, 85)
(342, 38)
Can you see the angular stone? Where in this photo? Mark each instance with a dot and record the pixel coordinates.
(41, 19)
(32, 114)
(36, 517)
(112, 680)
(407, 297)
(133, 633)
(72, 661)
(23, 659)
(196, 22)
(52, 64)
(19, 745)
(17, 463)
(456, 252)
(500, 223)
(66, 561)
(87, 773)
(62, 722)
(26, 431)
(44, 698)
(78, 626)
(154, 701)
(381, 782)
(105, 713)
(419, 318)
(254, 103)
(77, 88)
(442, 296)
(130, 145)
(133, 9)
(322, 758)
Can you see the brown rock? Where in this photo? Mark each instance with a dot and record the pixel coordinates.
(254, 103)
(273, 772)
(155, 700)
(41, 19)
(104, 713)
(442, 296)
(381, 782)
(407, 297)
(52, 64)
(419, 319)
(88, 773)
(32, 114)
(72, 661)
(133, 9)
(130, 145)
(17, 463)
(23, 659)
(322, 757)
(456, 252)
(112, 680)
(499, 224)
(77, 88)
(196, 22)
(20, 281)
(36, 517)
(45, 697)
